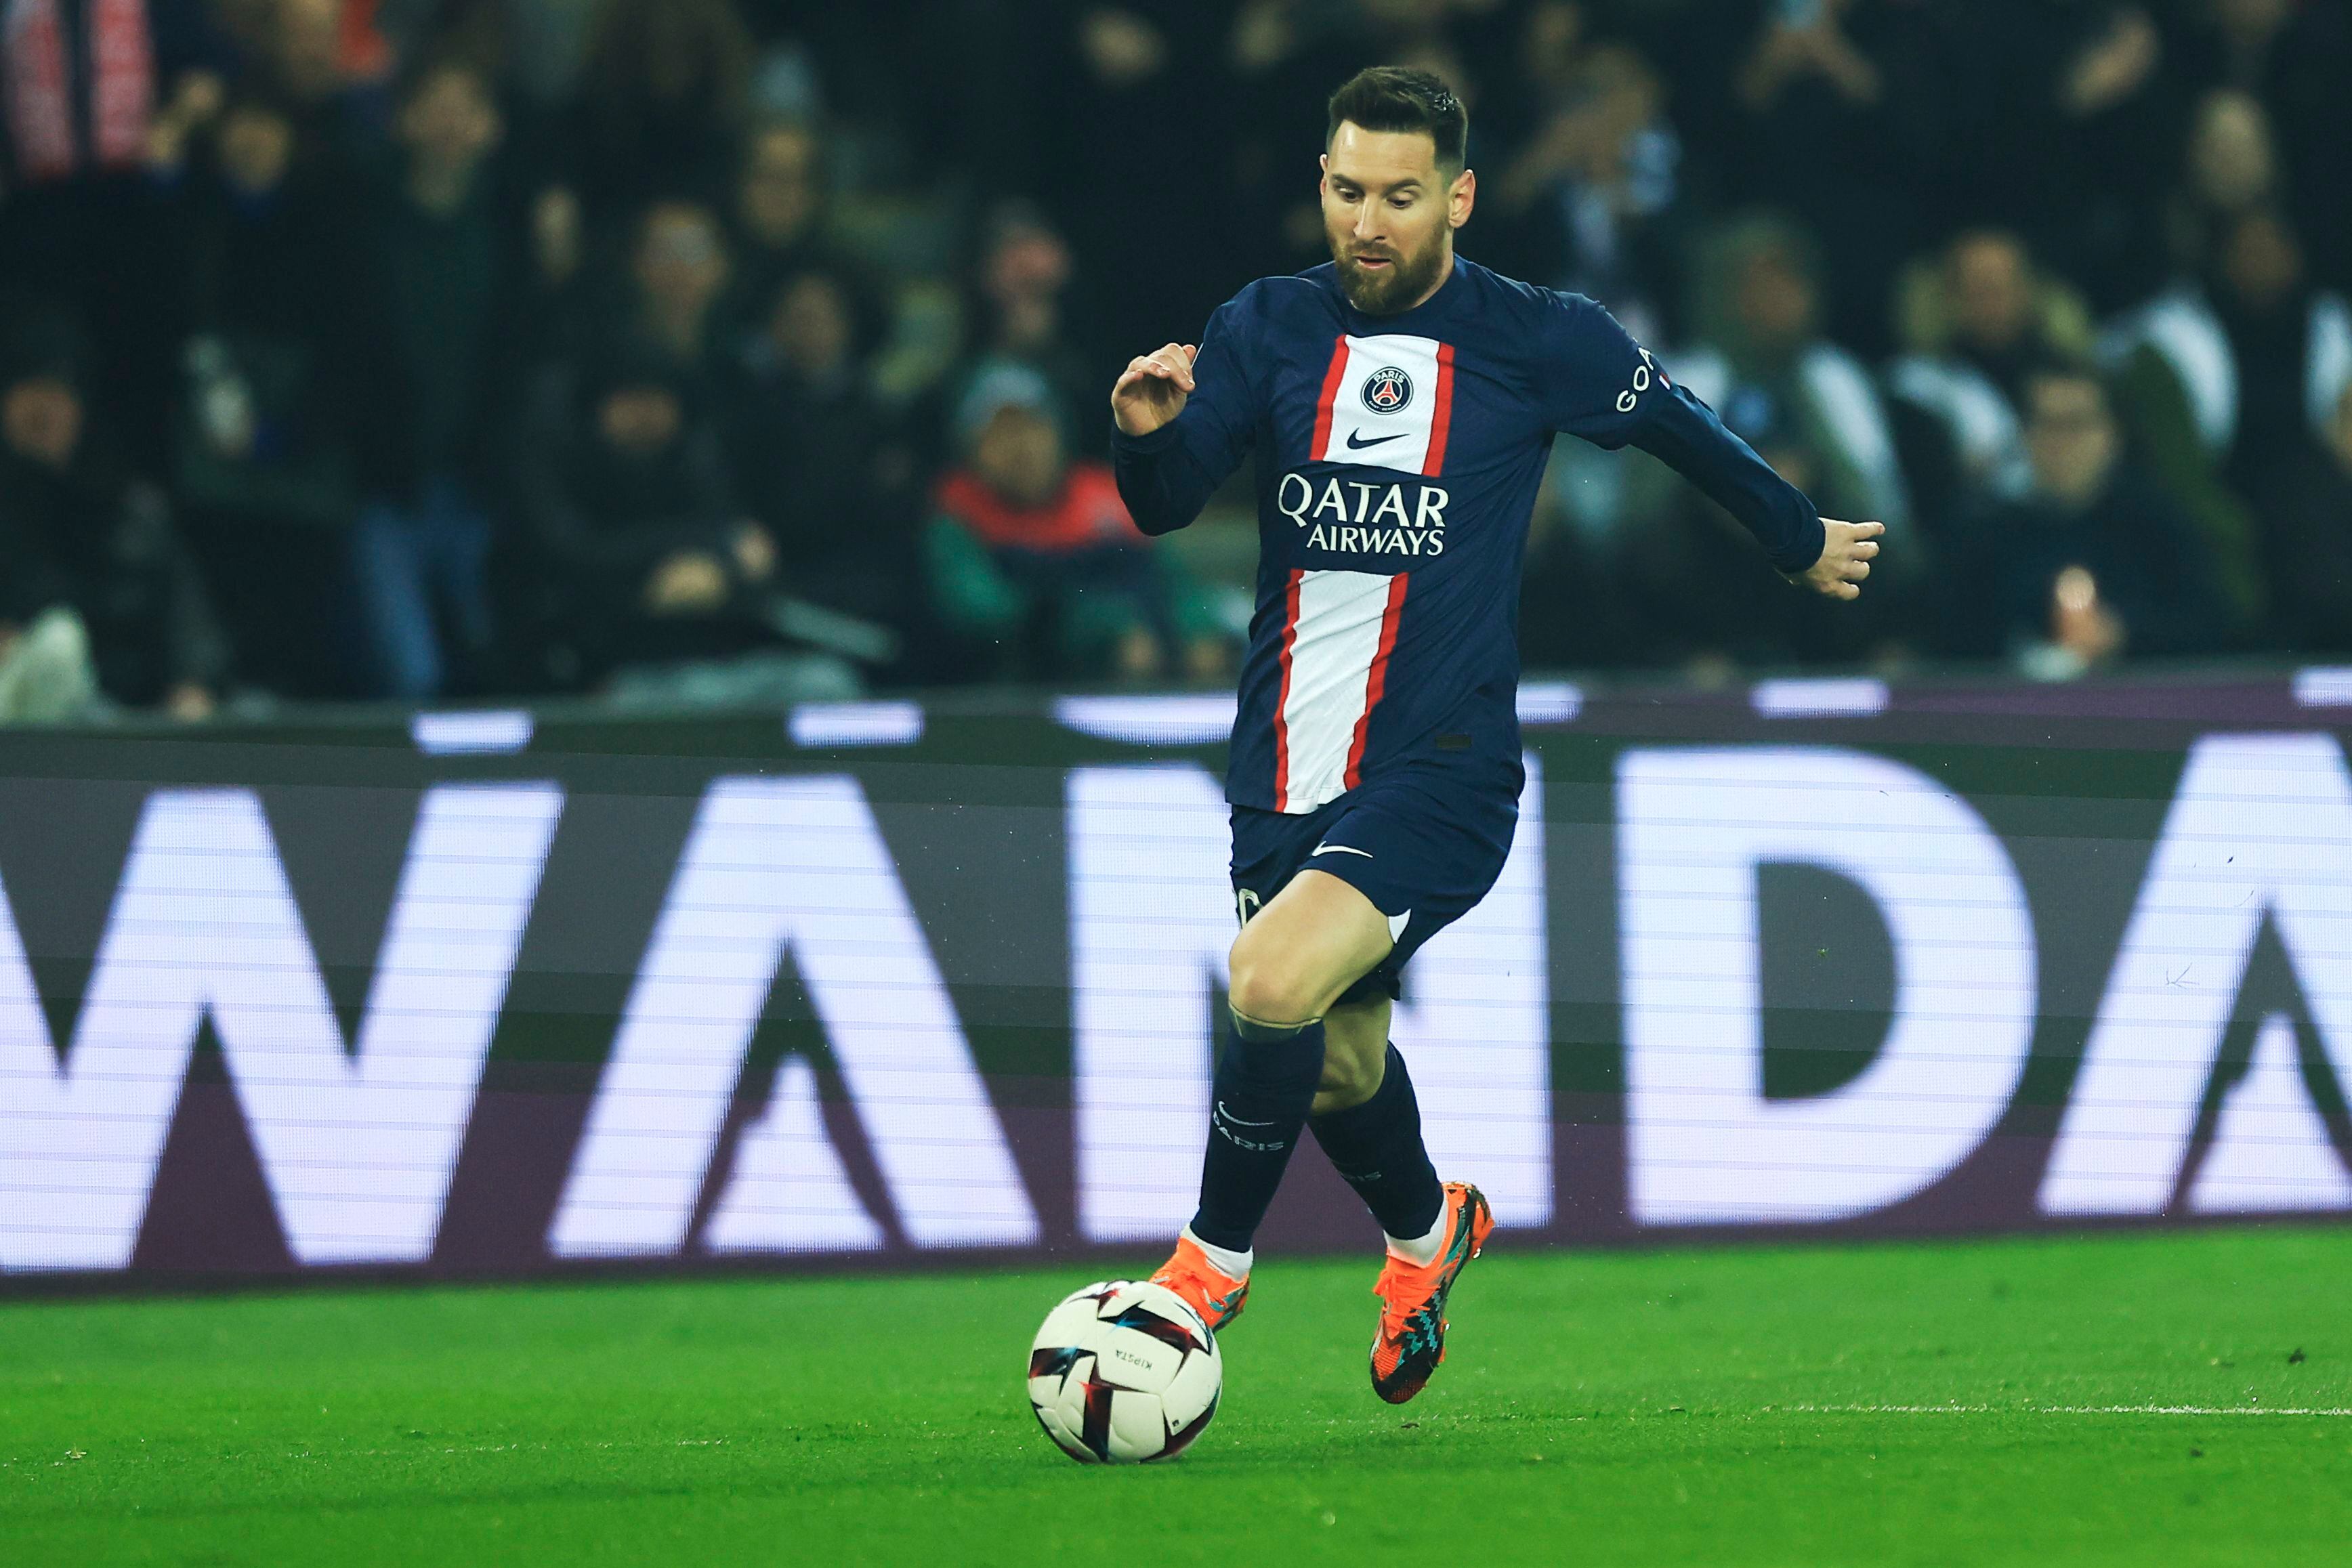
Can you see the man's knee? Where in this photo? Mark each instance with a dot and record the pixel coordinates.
(1264, 987)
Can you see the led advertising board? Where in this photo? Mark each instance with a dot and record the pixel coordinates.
(482, 994)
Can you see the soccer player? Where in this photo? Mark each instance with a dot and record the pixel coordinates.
(1402, 403)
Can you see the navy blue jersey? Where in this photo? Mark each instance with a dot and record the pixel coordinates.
(1398, 460)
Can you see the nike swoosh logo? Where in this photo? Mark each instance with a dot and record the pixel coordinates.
(1356, 446)
(1338, 850)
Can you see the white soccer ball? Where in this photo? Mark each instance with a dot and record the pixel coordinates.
(1124, 1371)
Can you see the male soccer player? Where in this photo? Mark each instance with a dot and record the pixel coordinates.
(1402, 403)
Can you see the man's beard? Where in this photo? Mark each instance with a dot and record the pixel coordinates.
(1389, 289)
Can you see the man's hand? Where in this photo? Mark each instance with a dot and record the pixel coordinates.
(1847, 550)
(1153, 389)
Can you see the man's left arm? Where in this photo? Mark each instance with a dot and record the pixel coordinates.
(1639, 406)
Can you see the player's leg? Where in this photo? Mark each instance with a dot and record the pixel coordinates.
(1431, 845)
(1368, 1120)
(1369, 1123)
(1292, 962)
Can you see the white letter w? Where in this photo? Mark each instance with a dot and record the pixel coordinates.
(357, 1146)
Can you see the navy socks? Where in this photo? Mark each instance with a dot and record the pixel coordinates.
(1376, 1146)
(1259, 1101)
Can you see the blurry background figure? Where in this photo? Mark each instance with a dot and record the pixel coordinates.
(1846, 111)
(677, 270)
(1975, 323)
(780, 215)
(1587, 197)
(276, 362)
(2307, 541)
(2093, 561)
(98, 602)
(445, 274)
(819, 462)
(2239, 359)
(624, 487)
(2290, 346)
(1119, 168)
(1022, 314)
(1032, 559)
(665, 92)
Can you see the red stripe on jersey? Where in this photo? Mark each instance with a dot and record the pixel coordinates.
(1323, 405)
(1376, 680)
(1441, 417)
(1282, 697)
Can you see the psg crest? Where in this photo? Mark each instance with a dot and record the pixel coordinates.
(1387, 389)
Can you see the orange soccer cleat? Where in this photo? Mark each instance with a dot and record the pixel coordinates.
(1411, 1338)
(1216, 1295)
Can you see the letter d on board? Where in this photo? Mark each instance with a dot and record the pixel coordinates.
(1705, 1145)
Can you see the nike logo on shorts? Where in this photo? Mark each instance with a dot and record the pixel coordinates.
(1338, 850)
(1356, 446)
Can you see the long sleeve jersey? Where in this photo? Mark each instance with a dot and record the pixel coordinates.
(1398, 462)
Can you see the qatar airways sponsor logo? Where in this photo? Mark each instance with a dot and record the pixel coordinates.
(1366, 516)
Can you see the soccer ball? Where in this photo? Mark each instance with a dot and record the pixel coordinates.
(1122, 1372)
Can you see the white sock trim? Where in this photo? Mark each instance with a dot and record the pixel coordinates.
(1421, 1251)
(1235, 1265)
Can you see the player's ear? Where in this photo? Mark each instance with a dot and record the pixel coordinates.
(1460, 197)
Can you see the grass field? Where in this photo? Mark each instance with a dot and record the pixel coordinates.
(2129, 1400)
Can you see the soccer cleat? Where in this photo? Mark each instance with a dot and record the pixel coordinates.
(1208, 1290)
(1411, 1338)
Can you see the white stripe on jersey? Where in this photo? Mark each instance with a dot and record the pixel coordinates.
(1366, 432)
(1328, 654)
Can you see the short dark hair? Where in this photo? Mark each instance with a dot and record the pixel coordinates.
(1399, 99)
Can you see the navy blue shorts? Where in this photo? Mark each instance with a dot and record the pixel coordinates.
(1424, 842)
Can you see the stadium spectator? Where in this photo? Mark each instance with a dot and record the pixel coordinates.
(818, 460)
(1762, 361)
(79, 80)
(1032, 560)
(2290, 344)
(1588, 198)
(2095, 559)
(624, 487)
(2307, 542)
(2209, 417)
(1977, 322)
(94, 91)
(677, 271)
(1846, 104)
(274, 358)
(2294, 59)
(779, 221)
(1022, 313)
(100, 597)
(1119, 167)
(663, 100)
(445, 265)
(323, 62)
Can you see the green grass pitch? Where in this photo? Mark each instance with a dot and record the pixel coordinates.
(2120, 1399)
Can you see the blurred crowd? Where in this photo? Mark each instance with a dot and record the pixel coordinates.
(732, 350)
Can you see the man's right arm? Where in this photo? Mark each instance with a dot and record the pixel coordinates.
(1181, 422)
